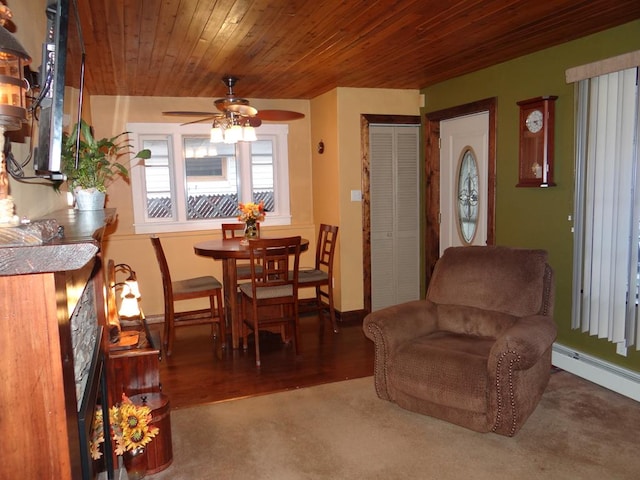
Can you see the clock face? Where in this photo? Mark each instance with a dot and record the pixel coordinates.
(534, 121)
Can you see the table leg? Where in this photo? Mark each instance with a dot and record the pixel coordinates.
(230, 286)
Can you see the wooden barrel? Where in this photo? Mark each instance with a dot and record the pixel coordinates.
(160, 451)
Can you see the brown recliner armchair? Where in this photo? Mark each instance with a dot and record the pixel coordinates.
(477, 351)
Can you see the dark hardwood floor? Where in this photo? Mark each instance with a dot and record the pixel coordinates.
(199, 371)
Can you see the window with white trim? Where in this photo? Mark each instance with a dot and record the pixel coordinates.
(190, 183)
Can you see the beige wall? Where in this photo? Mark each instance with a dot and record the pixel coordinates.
(352, 103)
(325, 170)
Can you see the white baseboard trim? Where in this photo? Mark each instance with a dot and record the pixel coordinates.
(605, 374)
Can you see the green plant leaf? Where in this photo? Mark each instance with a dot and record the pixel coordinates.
(100, 160)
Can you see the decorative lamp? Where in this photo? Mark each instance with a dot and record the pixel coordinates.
(129, 304)
(131, 281)
(13, 112)
(13, 87)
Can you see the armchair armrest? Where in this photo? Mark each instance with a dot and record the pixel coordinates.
(519, 369)
(399, 323)
(391, 327)
(529, 338)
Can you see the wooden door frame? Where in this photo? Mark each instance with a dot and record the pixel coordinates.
(432, 174)
(365, 121)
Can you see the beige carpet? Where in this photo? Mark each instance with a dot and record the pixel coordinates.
(343, 431)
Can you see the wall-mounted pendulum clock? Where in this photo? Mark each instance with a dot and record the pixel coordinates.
(536, 142)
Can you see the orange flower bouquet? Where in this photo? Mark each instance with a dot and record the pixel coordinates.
(251, 212)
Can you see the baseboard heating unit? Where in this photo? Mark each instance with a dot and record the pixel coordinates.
(605, 374)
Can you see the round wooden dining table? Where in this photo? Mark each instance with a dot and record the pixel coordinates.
(229, 251)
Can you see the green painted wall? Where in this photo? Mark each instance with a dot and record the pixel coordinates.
(532, 217)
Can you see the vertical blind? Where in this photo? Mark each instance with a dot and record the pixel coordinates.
(607, 216)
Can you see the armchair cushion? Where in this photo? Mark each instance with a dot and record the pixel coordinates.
(491, 278)
(457, 365)
(477, 351)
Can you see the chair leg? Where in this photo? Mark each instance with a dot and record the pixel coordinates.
(215, 302)
(296, 328)
(212, 309)
(256, 336)
(245, 332)
(332, 310)
(222, 321)
(169, 332)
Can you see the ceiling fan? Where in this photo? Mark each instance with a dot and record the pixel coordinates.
(236, 110)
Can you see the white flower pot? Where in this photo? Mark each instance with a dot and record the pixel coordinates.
(90, 199)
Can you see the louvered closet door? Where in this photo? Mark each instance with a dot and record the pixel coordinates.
(395, 219)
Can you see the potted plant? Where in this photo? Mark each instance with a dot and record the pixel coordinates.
(98, 164)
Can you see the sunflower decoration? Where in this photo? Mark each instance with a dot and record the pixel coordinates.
(130, 427)
(97, 435)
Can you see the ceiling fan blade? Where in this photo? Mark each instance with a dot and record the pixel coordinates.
(279, 115)
(188, 114)
(210, 119)
(254, 121)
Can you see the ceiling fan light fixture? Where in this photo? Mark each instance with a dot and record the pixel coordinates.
(230, 129)
(233, 134)
(217, 134)
(249, 134)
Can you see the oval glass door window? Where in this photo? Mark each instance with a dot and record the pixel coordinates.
(467, 192)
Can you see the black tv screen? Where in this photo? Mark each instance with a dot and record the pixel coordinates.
(61, 86)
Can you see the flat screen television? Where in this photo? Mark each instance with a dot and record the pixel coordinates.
(59, 105)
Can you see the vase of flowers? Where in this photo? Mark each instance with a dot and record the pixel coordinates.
(250, 213)
(131, 431)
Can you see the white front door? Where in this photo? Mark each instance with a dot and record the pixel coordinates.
(464, 166)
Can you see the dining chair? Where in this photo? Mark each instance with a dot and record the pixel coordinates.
(236, 230)
(321, 277)
(188, 289)
(271, 298)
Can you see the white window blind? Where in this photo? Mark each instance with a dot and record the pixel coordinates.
(607, 216)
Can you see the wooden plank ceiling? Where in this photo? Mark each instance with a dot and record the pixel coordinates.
(302, 48)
